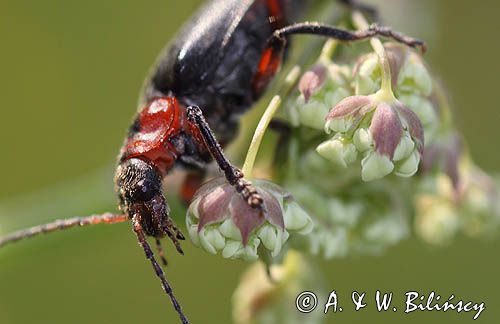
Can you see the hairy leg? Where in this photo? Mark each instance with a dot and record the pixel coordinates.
(233, 174)
(141, 237)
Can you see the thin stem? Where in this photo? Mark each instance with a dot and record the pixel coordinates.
(386, 84)
(266, 118)
(259, 135)
(328, 50)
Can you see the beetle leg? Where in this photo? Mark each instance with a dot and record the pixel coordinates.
(161, 254)
(233, 174)
(141, 237)
(278, 39)
(276, 44)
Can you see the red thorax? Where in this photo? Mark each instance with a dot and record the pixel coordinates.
(159, 121)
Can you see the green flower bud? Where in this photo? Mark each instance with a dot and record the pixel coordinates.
(236, 250)
(297, 219)
(375, 166)
(338, 150)
(404, 148)
(409, 166)
(320, 88)
(211, 240)
(363, 140)
(230, 230)
(414, 77)
(272, 238)
(368, 75)
(311, 114)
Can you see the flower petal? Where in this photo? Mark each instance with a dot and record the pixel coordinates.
(349, 107)
(245, 217)
(312, 81)
(274, 213)
(214, 205)
(415, 126)
(386, 130)
(209, 186)
(397, 55)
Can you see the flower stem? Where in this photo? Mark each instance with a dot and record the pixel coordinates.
(386, 83)
(328, 50)
(266, 118)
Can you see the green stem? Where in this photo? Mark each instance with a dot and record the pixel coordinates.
(386, 82)
(326, 53)
(328, 50)
(266, 118)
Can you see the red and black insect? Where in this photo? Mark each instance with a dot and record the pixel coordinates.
(214, 71)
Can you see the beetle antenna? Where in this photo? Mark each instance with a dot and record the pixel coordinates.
(139, 232)
(62, 224)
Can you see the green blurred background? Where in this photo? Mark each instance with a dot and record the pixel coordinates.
(70, 77)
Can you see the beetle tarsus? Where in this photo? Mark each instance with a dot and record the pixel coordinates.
(161, 253)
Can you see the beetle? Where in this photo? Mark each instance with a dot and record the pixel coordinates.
(215, 70)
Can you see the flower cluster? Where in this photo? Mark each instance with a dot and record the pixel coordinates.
(219, 220)
(321, 88)
(384, 128)
(387, 133)
(373, 116)
(454, 195)
(411, 82)
(346, 224)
